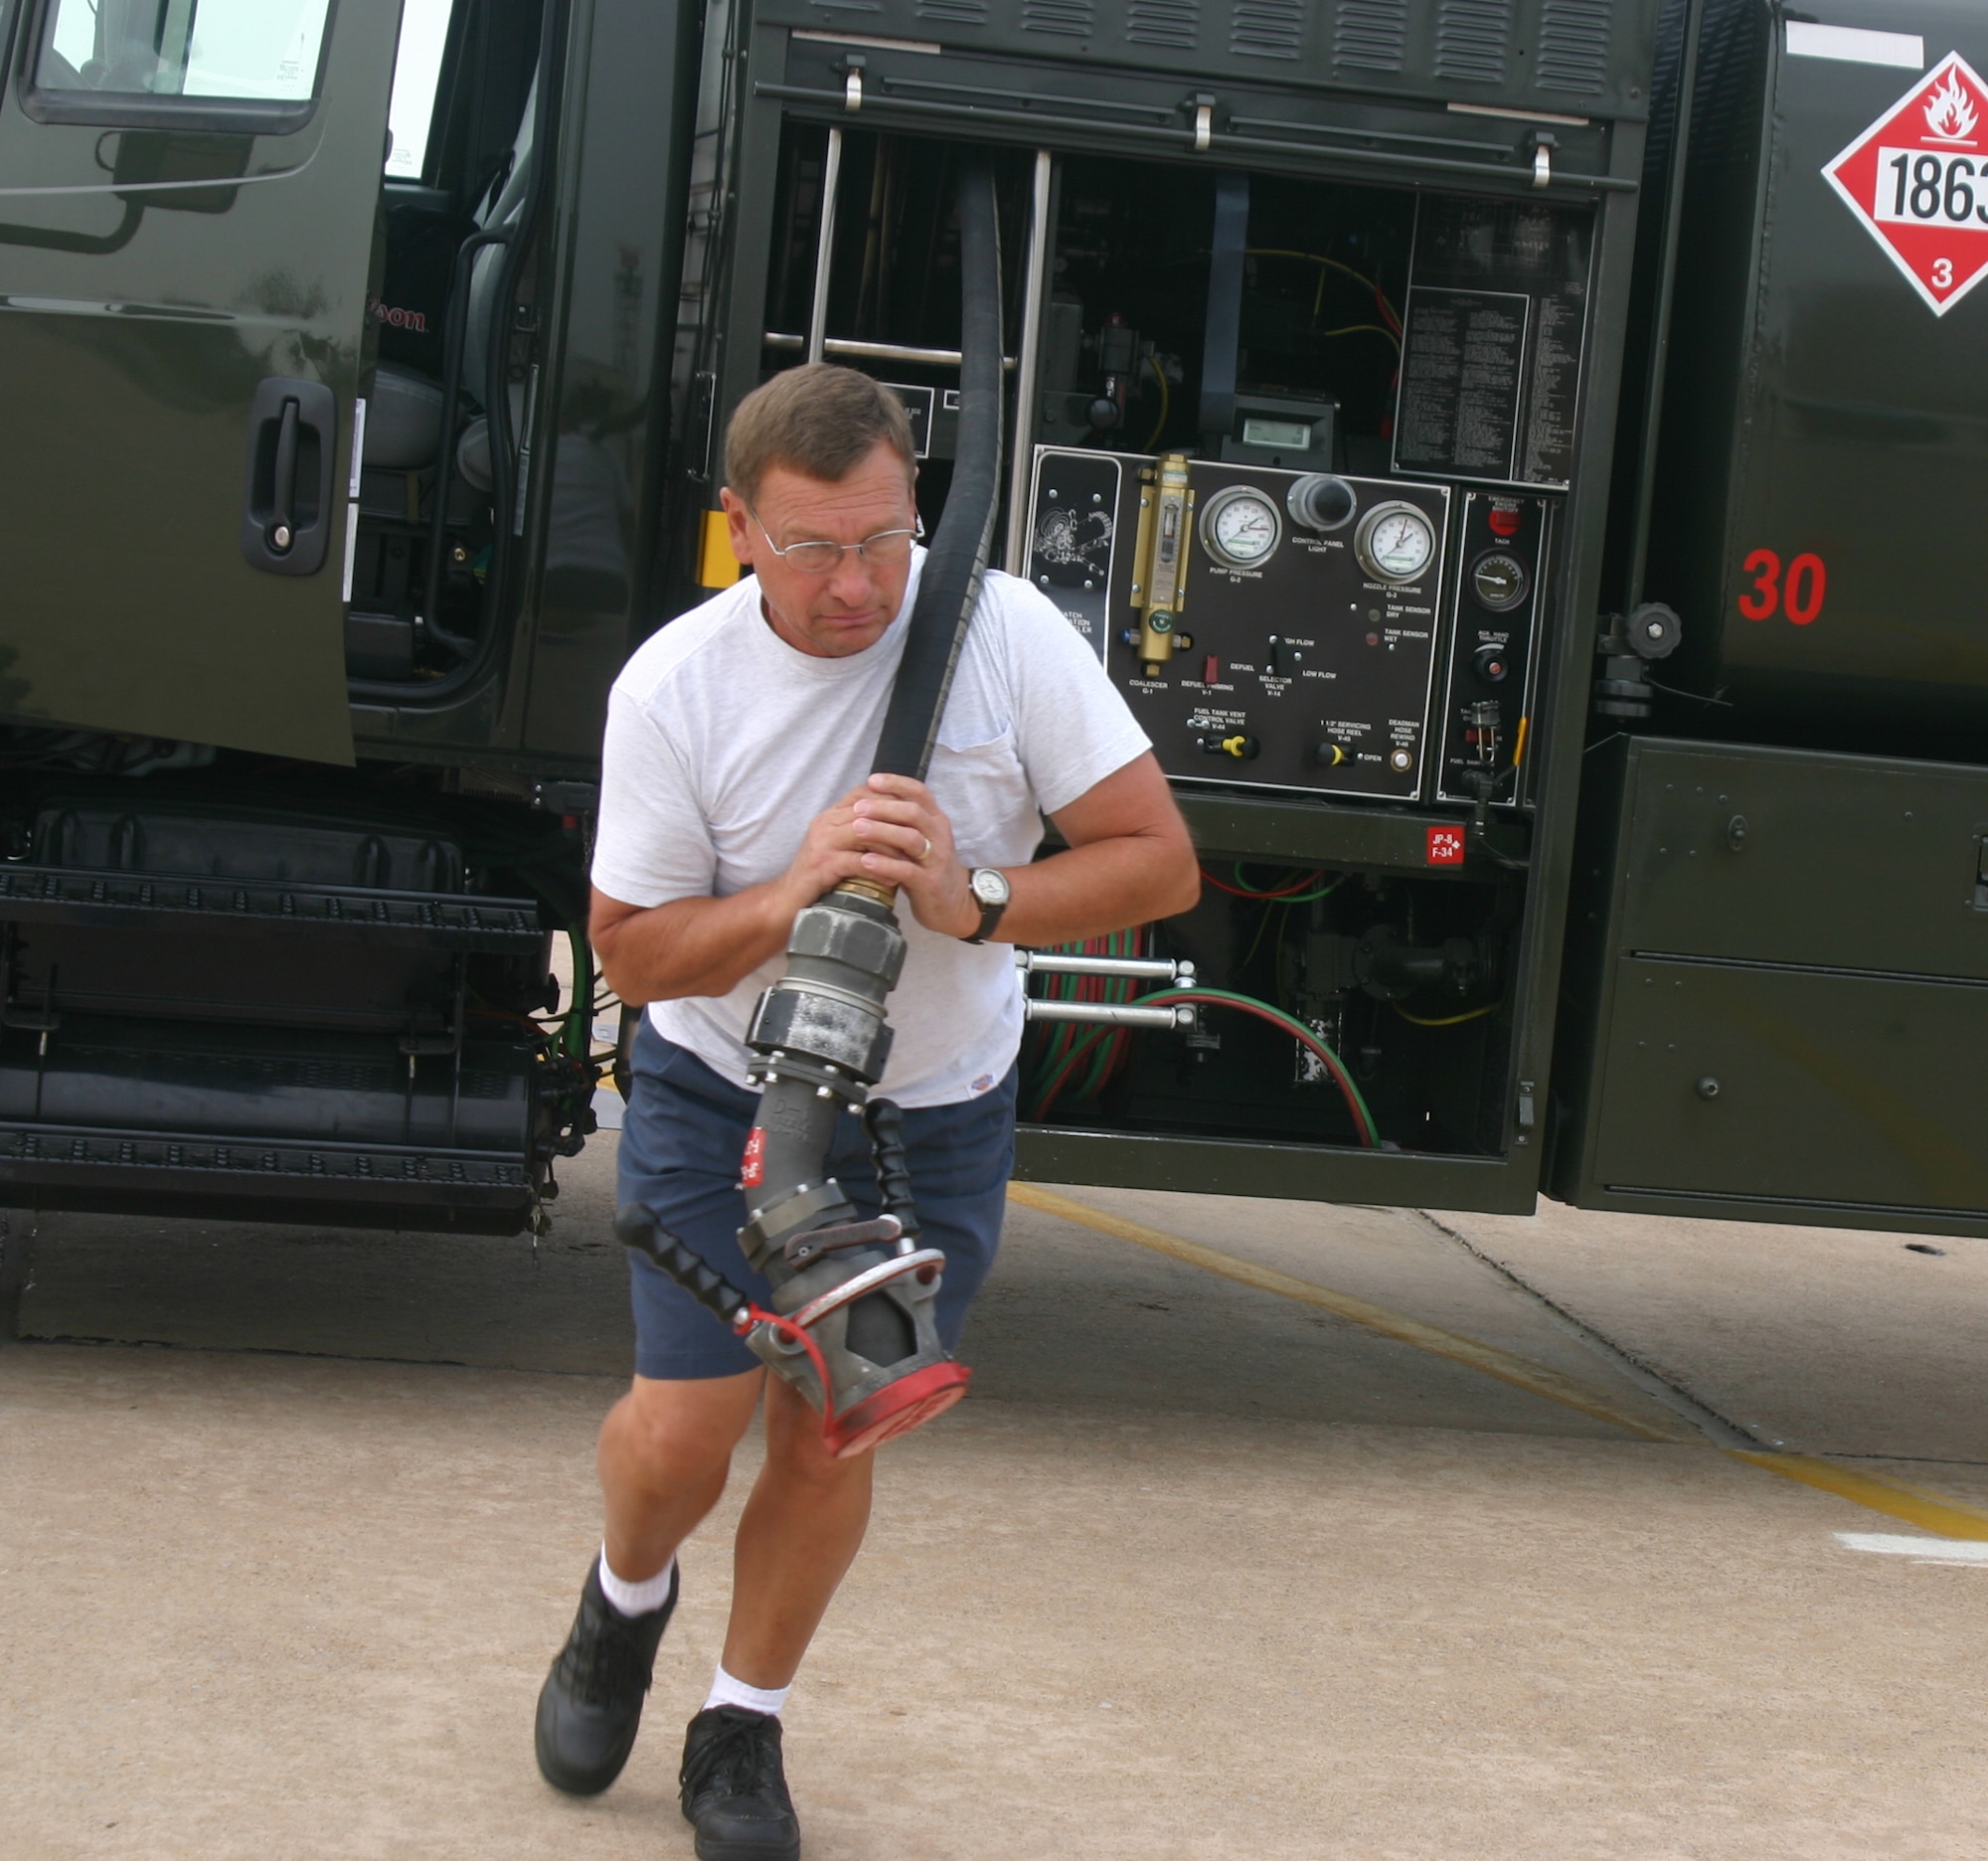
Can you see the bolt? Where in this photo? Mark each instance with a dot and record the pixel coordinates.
(280, 537)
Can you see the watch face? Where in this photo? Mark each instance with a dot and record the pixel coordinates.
(989, 886)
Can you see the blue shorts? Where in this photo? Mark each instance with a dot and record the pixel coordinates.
(682, 1138)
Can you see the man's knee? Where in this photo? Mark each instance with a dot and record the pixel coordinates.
(671, 1430)
(795, 1449)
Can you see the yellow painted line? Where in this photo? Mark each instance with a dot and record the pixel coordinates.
(1521, 1373)
(1951, 1518)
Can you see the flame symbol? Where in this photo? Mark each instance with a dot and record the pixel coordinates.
(1948, 112)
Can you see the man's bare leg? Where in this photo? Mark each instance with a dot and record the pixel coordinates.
(665, 1451)
(798, 1536)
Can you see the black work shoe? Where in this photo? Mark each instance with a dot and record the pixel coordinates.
(592, 1702)
(734, 1791)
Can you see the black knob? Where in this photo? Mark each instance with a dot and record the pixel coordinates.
(1491, 664)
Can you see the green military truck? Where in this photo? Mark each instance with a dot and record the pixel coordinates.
(1512, 454)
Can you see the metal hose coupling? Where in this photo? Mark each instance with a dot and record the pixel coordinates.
(861, 1292)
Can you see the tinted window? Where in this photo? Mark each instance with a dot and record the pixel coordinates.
(255, 50)
(424, 34)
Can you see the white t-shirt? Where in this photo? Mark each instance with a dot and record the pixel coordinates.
(724, 742)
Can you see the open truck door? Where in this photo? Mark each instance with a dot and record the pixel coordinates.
(188, 196)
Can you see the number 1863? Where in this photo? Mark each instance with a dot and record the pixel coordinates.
(1921, 188)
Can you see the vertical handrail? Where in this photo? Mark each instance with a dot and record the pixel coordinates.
(824, 246)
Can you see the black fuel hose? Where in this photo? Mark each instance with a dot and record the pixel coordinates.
(949, 588)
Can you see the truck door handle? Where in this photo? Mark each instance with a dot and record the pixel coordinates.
(282, 528)
(287, 511)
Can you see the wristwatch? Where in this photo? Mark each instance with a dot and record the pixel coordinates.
(991, 891)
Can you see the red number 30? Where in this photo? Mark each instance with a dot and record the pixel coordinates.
(1807, 584)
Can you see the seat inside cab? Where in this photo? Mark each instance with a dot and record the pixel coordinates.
(459, 172)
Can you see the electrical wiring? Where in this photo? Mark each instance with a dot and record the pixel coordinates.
(1388, 315)
(1292, 893)
(1166, 402)
(1104, 1048)
(1362, 1119)
(1456, 1020)
(1243, 888)
(1067, 1042)
(1357, 329)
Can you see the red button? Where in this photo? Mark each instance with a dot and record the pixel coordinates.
(1506, 517)
(1211, 670)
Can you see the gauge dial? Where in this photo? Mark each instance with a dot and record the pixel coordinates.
(1395, 542)
(1498, 580)
(1240, 527)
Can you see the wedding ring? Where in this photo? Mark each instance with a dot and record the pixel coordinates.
(927, 854)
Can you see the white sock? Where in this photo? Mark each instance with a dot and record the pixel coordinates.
(726, 1691)
(636, 1598)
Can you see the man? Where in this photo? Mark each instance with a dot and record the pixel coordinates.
(734, 794)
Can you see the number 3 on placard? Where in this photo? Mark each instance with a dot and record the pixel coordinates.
(1943, 274)
(1807, 582)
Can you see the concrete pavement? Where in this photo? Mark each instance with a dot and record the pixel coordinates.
(1200, 1570)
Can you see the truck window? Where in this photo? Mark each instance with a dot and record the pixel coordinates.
(416, 71)
(259, 51)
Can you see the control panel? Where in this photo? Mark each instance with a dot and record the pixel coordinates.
(1270, 628)
(1492, 673)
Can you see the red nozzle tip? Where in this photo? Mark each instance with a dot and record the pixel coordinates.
(896, 1408)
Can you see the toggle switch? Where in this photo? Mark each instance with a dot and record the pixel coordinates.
(1243, 749)
(1211, 670)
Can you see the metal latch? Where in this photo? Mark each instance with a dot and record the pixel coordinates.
(853, 67)
(1202, 104)
(1543, 144)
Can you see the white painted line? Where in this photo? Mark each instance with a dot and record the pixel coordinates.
(1928, 1550)
(1855, 45)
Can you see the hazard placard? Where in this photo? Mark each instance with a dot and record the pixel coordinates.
(1918, 180)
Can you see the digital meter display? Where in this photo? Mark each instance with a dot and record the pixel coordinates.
(1239, 527)
(1395, 542)
(1293, 436)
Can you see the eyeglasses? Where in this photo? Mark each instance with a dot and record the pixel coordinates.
(886, 547)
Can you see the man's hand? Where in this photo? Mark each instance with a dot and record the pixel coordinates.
(893, 831)
(906, 840)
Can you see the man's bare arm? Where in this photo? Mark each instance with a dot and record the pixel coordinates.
(1129, 861)
(709, 945)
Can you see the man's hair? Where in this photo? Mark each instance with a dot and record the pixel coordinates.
(816, 420)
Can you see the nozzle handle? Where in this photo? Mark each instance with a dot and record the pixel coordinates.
(884, 1121)
(636, 1227)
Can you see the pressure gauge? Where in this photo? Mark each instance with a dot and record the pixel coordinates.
(1498, 580)
(1240, 527)
(1395, 542)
